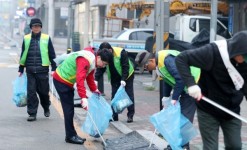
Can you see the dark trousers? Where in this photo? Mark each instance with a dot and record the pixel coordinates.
(188, 106)
(209, 129)
(66, 95)
(37, 83)
(129, 88)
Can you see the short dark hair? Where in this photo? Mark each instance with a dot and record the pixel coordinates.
(105, 45)
(105, 54)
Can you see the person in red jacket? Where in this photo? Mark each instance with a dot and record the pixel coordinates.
(77, 68)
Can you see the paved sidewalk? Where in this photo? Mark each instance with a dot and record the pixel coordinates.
(147, 103)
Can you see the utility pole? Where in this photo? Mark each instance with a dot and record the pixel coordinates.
(162, 15)
(51, 18)
(213, 21)
(69, 25)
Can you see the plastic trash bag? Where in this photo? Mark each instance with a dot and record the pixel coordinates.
(20, 91)
(121, 100)
(174, 126)
(59, 59)
(101, 113)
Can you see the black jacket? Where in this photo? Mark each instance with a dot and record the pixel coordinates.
(215, 81)
(115, 76)
(33, 61)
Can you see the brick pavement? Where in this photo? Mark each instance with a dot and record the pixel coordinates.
(147, 103)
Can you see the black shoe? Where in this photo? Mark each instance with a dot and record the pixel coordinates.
(83, 139)
(130, 119)
(47, 113)
(186, 148)
(115, 118)
(75, 140)
(168, 147)
(31, 118)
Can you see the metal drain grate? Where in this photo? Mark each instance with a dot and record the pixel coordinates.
(130, 141)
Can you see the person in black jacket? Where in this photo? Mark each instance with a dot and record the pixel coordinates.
(36, 56)
(121, 72)
(224, 68)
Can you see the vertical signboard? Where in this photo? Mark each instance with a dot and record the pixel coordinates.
(230, 18)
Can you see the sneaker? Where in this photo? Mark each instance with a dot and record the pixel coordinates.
(31, 118)
(47, 113)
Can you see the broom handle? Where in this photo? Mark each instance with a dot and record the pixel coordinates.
(224, 109)
(96, 127)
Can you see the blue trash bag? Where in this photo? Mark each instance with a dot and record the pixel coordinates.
(188, 131)
(20, 91)
(101, 113)
(121, 100)
(173, 126)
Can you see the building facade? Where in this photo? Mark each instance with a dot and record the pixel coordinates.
(88, 18)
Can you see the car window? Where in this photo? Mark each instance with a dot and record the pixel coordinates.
(133, 36)
(204, 23)
(140, 35)
(118, 34)
(193, 24)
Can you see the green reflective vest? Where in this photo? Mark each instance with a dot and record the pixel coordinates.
(117, 64)
(163, 70)
(43, 44)
(67, 70)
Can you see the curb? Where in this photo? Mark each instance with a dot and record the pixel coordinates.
(148, 135)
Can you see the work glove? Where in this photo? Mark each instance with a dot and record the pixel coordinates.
(195, 92)
(173, 102)
(20, 74)
(123, 83)
(84, 103)
(52, 72)
(165, 101)
(96, 82)
(97, 92)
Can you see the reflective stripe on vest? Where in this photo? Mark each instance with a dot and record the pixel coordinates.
(67, 70)
(117, 64)
(43, 46)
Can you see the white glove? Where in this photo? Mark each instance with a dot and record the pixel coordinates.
(123, 83)
(173, 102)
(20, 74)
(96, 82)
(52, 73)
(97, 92)
(165, 101)
(84, 103)
(195, 92)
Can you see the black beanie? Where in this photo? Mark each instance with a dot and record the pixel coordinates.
(35, 21)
